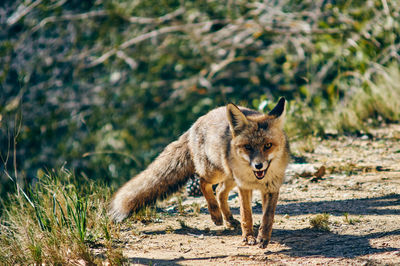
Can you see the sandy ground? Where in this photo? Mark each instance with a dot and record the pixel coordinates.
(360, 191)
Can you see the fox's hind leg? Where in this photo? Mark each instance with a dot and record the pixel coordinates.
(212, 203)
(223, 190)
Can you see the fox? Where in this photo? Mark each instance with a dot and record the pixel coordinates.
(230, 146)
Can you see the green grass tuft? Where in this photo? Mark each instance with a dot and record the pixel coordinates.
(56, 222)
(349, 220)
(320, 222)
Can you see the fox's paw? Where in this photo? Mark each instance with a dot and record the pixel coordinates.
(249, 240)
(217, 219)
(262, 243)
(233, 223)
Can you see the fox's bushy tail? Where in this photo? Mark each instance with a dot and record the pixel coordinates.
(165, 175)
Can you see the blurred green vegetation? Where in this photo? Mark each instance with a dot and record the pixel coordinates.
(101, 86)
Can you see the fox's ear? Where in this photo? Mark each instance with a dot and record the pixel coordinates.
(237, 120)
(279, 112)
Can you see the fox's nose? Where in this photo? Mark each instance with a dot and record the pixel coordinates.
(258, 165)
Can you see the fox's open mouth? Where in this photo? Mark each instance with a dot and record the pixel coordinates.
(260, 174)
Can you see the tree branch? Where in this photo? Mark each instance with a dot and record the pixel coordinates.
(19, 14)
(102, 13)
(90, 14)
(166, 17)
(146, 36)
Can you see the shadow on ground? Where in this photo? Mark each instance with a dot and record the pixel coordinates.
(386, 205)
(309, 242)
(172, 262)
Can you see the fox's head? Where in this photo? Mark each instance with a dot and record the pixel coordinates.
(257, 138)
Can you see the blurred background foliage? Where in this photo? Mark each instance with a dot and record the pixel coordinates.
(101, 86)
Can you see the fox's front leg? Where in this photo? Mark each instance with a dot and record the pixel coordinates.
(269, 201)
(212, 203)
(246, 216)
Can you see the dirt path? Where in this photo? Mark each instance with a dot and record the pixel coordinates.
(360, 191)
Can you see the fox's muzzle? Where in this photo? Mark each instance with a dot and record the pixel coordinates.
(261, 173)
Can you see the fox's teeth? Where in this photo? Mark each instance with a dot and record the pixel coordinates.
(259, 174)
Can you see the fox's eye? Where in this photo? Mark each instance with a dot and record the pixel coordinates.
(247, 147)
(267, 146)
